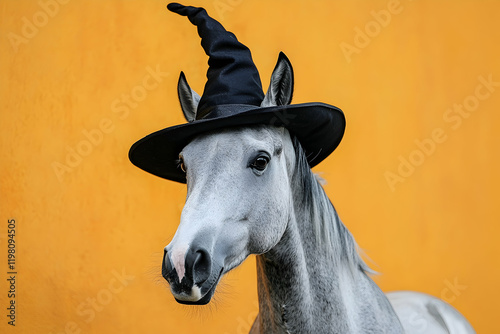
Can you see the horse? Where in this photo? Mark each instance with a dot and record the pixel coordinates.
(250, 190)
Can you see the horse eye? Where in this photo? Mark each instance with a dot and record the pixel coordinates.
(260, 163)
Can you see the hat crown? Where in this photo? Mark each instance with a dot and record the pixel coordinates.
(233, 97)
(232, 77)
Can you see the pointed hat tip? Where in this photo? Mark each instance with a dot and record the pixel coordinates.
(188, 11)
(182, 10)
(232, 77)
(174, 6)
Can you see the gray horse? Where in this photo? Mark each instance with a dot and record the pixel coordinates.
(250, 190)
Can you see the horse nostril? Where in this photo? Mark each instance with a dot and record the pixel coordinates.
(195, 268)
(201, 266)
(166, 267)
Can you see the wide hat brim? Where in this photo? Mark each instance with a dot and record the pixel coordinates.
(319, 128)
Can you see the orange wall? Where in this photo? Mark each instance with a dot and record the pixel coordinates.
(90, 235)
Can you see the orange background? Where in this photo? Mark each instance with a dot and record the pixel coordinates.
(80, 227)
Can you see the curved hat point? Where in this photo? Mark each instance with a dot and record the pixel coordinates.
(232, 77)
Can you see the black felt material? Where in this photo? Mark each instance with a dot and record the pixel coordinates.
(232, 97)
(232, 77)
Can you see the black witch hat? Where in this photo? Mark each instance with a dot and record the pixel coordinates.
(233, 96)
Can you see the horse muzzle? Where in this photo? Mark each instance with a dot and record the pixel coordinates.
(192, 277)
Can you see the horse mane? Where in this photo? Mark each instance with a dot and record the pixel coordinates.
(331, 234)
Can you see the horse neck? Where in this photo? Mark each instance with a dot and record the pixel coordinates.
(313, 279)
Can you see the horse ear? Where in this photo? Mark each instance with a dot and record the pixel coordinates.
(189, 98)
(280, 89)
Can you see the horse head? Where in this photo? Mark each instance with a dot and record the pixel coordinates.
(238, 195)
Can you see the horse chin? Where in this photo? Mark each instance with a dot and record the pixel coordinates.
(197, 291)
(202, 301)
